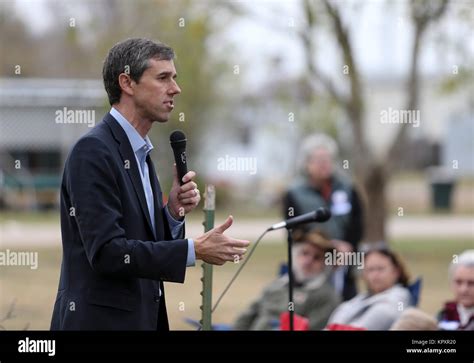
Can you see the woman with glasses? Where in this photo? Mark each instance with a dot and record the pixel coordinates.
(386, 298)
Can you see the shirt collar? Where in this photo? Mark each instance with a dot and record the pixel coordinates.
(465, 314)
(138, 143)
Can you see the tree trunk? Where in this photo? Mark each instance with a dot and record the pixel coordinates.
(375, 184)
(372, 174)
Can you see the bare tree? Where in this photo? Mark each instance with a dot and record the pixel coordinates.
(371, 172)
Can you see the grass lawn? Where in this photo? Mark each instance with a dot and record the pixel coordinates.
(34, 290)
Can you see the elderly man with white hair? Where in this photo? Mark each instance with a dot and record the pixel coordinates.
(320, 185)
(459, 314)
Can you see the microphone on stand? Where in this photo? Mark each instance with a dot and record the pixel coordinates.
(320, 215)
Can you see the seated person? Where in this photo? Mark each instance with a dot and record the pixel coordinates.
(314, 297)
(387, 296)
(459, 314)
(415, 319)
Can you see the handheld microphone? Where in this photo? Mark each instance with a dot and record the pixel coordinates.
(319, 215)
(178, 143)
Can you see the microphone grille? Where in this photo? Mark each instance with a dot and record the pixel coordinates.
(323, 214)
(177, 136)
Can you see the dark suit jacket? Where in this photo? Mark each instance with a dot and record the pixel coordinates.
(113, 262)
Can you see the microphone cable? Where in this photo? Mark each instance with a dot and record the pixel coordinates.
(239, 270)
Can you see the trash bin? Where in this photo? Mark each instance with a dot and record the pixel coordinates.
(442, 183)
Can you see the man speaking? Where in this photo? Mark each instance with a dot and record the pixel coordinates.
(120, 242)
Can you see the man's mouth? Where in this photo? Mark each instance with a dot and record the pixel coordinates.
(169, 104)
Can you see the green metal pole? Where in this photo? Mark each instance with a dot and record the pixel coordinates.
(206, 293)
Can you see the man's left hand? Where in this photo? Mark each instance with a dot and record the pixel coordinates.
(183, 198)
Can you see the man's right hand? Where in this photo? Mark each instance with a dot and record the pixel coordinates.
(215, 248)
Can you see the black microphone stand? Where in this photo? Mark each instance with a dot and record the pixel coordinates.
(321, 216)
(290, 279)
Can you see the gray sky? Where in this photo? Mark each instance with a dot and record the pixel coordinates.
(381, 32)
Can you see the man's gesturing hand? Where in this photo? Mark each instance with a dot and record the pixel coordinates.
(216, 248)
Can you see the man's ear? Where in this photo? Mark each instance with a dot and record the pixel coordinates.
(125, 83)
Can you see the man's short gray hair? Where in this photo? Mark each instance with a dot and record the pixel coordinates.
(314, 142)
(465, 259)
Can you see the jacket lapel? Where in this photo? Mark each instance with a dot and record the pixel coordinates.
(130, 164)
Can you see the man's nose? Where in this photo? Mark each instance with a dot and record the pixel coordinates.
(308, 261)
(175, 90)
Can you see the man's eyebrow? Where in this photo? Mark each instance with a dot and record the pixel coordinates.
(168, 73)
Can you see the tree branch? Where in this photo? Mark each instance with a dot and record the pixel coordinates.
(308, 46)
(354, 107)
(422, 14)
